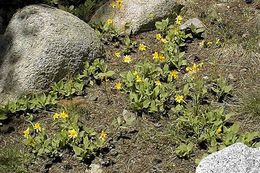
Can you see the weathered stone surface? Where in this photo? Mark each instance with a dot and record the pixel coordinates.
(94, 168)
(138, 15)
(194, 21)
(42, 45)
(237, 158)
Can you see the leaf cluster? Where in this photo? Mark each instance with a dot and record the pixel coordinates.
(43, 142)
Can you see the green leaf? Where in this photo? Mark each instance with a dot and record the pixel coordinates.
(184, 150)
(78, 151)
(105, 75)
(227, 89)
(129, 117)
(162, 26)
(146, 104)
(3, 116)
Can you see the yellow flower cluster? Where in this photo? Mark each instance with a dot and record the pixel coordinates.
(138, 78)
(37, 127)
(160, 38)
(62, 115)
(178, 20)
(117, 4)
(109, 22)
(194, 68)
(159, 56)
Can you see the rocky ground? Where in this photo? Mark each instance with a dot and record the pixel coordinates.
(145, 145)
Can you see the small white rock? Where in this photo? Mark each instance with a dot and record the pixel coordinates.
(94, 168)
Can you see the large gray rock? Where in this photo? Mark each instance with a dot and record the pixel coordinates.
(138, 15)
(42, 45)
(237, 158)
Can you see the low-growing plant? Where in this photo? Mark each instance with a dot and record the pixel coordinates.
(14, 159)
(184, 150)
(169, 82)
(250, 103)
(150, 85)
(211, 130)
(106, 31)
(147, 86)
(221, 88)
(97, 70)
(28, 102)
(68, 134)
(82, 9)
(129, 45)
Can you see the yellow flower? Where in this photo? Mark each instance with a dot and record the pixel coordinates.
(209, 44)
(119, 4)
(158, 36)
(64, 115)
(178, 20)
(26, 133)
(202, 44)
(73, 133)
(138, 78)
(117, 54)
(179, 98)
(109, 22)
(175, 31)
(193, 69)
(156, 55)
(174, 74)
(103, 136)
(142, 47)
(218, 43)
(127, 59)
(37, 127)
(118, 86)
(162, 58)
(188, 69)
(113, 4)
(158, 83)
(164, 41)
(219, 130)
(135, 73)
(56, 116)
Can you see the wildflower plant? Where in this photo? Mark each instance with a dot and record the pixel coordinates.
(151, 84)
(168, 83)
(147, 87)
(68, 135)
